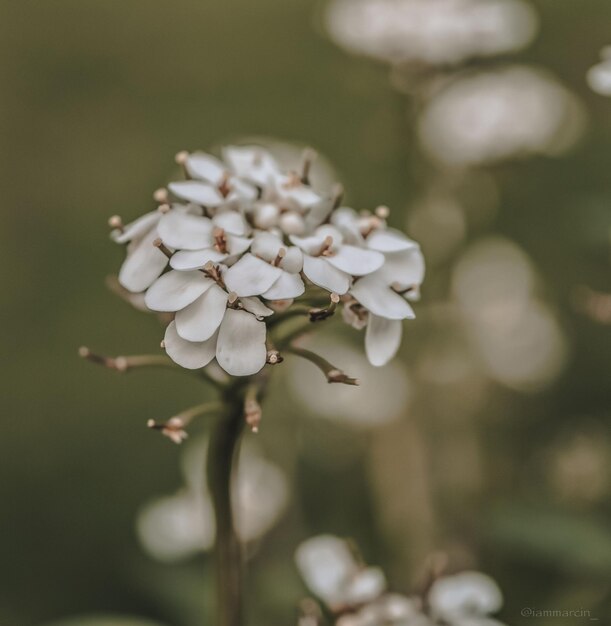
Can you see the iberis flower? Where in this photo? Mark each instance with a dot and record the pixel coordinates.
(240, 245)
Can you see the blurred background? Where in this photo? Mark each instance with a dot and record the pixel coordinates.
(488, 439)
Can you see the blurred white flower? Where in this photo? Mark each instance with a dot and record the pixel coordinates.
(381, 397)
(518, 339)
(599, 76)
(493, 115)
(465, 599)
(357, 595)
(331, 571)
(253, 230)
(431, 31)
(178, 526)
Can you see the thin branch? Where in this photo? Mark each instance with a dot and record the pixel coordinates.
(126, 363)
(332, 373)
(174, 428)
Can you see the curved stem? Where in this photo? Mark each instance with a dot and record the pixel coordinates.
(222, 453)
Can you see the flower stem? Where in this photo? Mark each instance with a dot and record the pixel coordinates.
(223, 449)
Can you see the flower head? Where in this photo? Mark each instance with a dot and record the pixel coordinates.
(232, 247)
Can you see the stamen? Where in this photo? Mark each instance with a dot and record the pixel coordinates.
(224, 187)
(181, 159)
(220, 240)
(162, 247)
(161, 195)
(233, 297)
(164, 208)
(327, 244)
(212, 271)
(274, 357)
(116, 223)
(281, 254)
(382, 212)
(308, 158)
(318, 315)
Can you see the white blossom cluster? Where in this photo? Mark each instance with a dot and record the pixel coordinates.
(430, 31)
(240, 240)
(357, 594)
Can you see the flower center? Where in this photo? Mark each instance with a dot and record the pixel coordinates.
(220, 240)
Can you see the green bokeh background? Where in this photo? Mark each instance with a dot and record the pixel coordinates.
(96, 97)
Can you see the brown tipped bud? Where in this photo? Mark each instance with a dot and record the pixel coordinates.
(334, 298)
(161, 195)
(164, 208)
(382, 212)
(84, 352)
(115, 222)
(181, 157)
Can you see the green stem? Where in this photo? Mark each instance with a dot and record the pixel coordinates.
(222, 454)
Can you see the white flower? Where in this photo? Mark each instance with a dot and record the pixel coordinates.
(144, 262)
(330, 264)
(465, 599)
(494, 115)
(599, 76)
(174, 527)
(430, 31)
(270, 270)
(199, 239)
(383, 293)
(206, 326)
(212, 183)
(330, 570)
(248, 231)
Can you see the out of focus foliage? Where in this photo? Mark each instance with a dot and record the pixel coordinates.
(493, 440)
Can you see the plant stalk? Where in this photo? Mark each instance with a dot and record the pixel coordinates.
(222, 455)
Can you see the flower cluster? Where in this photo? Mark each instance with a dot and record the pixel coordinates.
(240, 240)
(357, 594)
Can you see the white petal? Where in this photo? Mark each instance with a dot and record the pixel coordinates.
(237, 245)
(286, 287)
(251, 276)
(366, 586)
(266, 215)
(188, 354)
(184, 231)
(326, 563)
(266, 245)
(324, 275)
(194, 191)
(310, 245)
(463, 595)
(240, 190)
(143, 265)
(252, 162)
(200, 320)
(356, 261)
(381, 300)
(138, 228)
(382, 339)
(404, 269)
(176, 290)
(231, 222)
(256, 307)
(302, 195)
(240, 348)
(347, 221)
(206, 167)
(195, 259)
(389, 240)
(293, 260)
